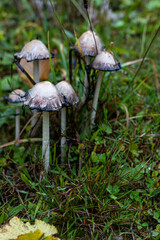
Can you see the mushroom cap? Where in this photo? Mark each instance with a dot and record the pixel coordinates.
(43, 96)
(16, 96)
(33, 50)
(87, 44)
(68, 93)
(105, 61)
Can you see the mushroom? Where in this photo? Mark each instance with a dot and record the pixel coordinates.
(88, 46)
(16, 97)
(104, 61)
(34, 51)
(44, 96)
(70, 99)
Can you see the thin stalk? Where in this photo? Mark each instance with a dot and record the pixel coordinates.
(36, 70)
(86, 84)
(46, 141)
(36, 80)
(23, 70)
(95, 99)
(17, 123)
(63, 134)
(86, 7)
(145, 54)
(60, 24)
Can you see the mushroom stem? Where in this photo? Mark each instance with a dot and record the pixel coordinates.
(63, 133)
(36, 80)
(95, 99)
(85, 87)
(17, 123)
(36, 70)
(46, 143)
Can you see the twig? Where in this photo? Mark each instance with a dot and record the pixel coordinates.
(21, 141)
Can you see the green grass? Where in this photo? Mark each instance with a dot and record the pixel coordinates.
(116, 191)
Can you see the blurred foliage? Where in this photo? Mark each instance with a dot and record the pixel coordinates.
(116, 191)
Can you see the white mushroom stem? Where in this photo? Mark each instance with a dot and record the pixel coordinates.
(46, 141)
(17, 123)
(36, 79)
(95, 99)
(63, 134)
(36, 70)
(85, 87)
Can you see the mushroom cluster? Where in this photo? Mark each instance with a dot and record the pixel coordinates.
(88, 46)
(44, 96)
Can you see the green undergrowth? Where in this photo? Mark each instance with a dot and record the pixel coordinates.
(108, 186)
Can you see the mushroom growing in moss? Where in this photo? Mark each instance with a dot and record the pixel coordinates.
(70, 99)
(16, 97)
(45, 97)
(87, 46)
(34, 51)
(104, 61)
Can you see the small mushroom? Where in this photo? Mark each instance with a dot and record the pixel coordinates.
(44, 96)
(104, 61)
(16, 97)
(34, 51)
(70, 99)
(89, 46)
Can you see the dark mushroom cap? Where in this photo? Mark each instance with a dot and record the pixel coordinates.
(87, 44)
(43, 96)
(33, 50)
(16, 96)
(68, 93)
(105, 61)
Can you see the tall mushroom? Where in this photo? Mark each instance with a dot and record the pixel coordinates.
(70, 99)
(88, 46)
(104, 61)
(44, 96)
(16, 97)
(34, 51)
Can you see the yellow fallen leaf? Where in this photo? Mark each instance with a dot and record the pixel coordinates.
(16, 227)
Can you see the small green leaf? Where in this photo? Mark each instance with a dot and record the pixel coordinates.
(25, 179)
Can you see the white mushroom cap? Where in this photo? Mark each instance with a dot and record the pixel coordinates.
(105, 61)
(44, 96)
(16, 96)
(33, 50)
(68, 93)
(87, 44)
